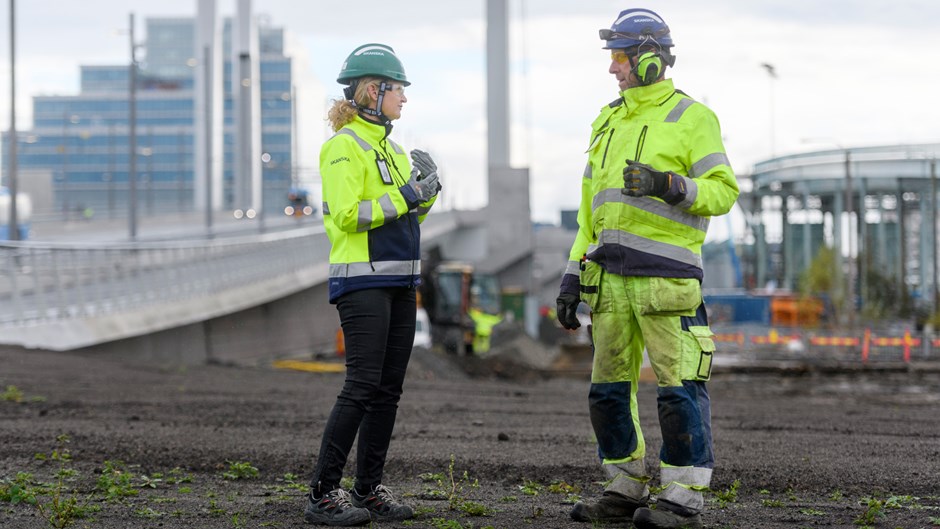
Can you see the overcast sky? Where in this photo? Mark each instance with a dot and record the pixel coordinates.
(850, 73)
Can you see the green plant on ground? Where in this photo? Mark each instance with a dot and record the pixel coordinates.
(240, 470)
(20, 489)
(771, 503)
(812, 512)
(115, 481)
(451, 487)
(530, 488)
(730, 495)
(62, 507)
(836, 495)
(12, 394)
(874, 511)
(572, 492)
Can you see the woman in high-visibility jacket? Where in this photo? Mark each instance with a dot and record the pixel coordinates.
(373, 203)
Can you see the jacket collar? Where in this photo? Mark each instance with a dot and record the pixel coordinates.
(654, 94)
(370, 131)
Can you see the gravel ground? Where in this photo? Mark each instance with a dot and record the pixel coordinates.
(805, 448)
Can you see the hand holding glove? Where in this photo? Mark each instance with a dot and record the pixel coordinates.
(640, 180)
(567, 308)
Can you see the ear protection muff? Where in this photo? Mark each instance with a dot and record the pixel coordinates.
(648, 68)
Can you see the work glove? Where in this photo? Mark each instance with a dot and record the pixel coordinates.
(567, 305)
(424, 186)
(640, 180)
(422, 161)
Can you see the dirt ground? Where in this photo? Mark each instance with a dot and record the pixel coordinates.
(132, 446)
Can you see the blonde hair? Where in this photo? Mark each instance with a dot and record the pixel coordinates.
(343, 111)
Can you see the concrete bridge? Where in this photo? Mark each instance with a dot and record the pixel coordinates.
(235, 298)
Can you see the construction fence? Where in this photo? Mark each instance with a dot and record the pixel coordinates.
(869, 345)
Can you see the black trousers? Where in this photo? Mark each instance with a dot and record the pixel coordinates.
(379, 328)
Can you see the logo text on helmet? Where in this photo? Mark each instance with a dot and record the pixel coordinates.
(641, 13)
(373, 50)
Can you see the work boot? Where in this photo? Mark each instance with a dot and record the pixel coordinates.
(382, 505)
(666, 516)
(610, 507)
(335, 509)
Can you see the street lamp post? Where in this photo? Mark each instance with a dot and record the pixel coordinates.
(132, 137)
(13, 229)
(850, 286)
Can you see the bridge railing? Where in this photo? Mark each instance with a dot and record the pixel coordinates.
(40, 282)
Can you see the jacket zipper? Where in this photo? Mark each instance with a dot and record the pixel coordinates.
(606, 147)
(639, 143)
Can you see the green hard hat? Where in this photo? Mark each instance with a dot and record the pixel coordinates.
(376, 60)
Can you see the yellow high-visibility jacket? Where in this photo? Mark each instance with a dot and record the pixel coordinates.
(371, 217)
(647, 236)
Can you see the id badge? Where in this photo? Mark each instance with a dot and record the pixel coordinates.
(383, 169)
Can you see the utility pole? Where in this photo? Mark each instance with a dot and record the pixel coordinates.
(132, 138)
(850, 287)
(13, 230)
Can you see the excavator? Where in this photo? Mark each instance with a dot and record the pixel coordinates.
(463, 306)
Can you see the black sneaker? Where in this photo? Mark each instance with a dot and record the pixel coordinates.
(334, 509)
(610, 507)
(666, 518)
(382, 505)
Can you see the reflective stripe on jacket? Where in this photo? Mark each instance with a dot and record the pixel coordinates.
(644, 236)
(372, 223)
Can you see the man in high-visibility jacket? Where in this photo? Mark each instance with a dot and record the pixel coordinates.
(656, 172)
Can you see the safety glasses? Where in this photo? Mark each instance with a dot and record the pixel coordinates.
(397, 88)
(620, 56)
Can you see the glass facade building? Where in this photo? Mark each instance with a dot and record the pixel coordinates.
(83, 139)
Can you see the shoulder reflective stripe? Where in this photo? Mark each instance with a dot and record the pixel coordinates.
(573, 268)
(396, 147)
(325, 208)
(691, 193)
(676, 113)
(381, 268)
(388, 208)
(653, 206)
(365, 215)
(643, 244)
(587, 171)
(708, 163)
(362, 143)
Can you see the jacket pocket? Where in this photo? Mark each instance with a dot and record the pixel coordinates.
(673, 296)
(591, 273)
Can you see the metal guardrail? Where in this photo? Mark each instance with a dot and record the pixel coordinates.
(41, 282)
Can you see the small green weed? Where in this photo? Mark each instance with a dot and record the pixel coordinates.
(874, 511)
(836, 495)
(20, 489)
(240, 470)
(771, 503)
(15, 394)
(531, 488)
(115, 481)
(812, 512)
(730, 495)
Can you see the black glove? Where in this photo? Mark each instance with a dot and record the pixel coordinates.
(426, 167)
(641, 180)
(567, 305)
